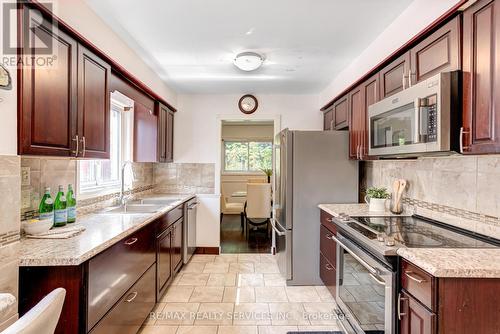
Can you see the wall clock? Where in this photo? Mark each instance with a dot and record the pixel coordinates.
(248, 104)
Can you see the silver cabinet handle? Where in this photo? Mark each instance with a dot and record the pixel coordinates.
(411, 275)
(400, 299)
(462, 147)
(77, 141)
(131, 241)
(331, 124)
(133, 295)
(330, 220)
(329, 236)
(83, 144)
(328, 267)
(404, 81)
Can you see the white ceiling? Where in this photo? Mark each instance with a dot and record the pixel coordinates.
(191, 43)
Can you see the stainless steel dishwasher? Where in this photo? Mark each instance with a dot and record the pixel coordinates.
(189, 244)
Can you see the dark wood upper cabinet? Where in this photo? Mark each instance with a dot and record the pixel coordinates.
(481, 78)
(145, 134)
(47, 94)
(356, 112)
(440, 52)
(328, 119)
(341, 113)
(394, 77)
(64, 106)
(93, 105)
(165, 133)
(360, 98)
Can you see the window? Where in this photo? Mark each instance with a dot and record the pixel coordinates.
(247, 156)
(95, 175)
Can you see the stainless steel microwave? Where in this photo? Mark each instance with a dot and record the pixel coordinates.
(422, 119)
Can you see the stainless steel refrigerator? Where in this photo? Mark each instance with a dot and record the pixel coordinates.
(311, 167)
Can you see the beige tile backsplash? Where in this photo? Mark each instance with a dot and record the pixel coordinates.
(197, 178)
(10, 198)
(462, 190)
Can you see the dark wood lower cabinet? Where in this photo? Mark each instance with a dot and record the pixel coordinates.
(127, 316)
(435, 305)
(328, 253)
(114, 291)
(415, 318)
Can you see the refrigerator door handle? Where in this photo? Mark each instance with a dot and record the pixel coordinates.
(278, 232)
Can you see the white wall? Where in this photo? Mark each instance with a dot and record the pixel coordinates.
(81, 17)
(197, 138)
(8, 100)
(413, 20)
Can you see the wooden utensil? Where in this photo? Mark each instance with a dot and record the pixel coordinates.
(397, 201)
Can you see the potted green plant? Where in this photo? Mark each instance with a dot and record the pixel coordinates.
(268, 172)
(376, 198)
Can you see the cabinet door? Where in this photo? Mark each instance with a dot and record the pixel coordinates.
(47, 117)
(164, 261)
(356, 110)
(145, 134)
(370, 95)
(170, 137)
(328, 274)
(394, 77)
(437, 53)
(341, 113)
(481, 78)
(415, 318)
(162, 132)
(177, 245)
(328, 119)
(93, 105)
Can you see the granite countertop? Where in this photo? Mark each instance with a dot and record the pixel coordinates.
(455, 262)
(439, 262)
(353, 210)
(102, 231)
(7, 302)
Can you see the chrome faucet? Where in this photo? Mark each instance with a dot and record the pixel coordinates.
(122, 188)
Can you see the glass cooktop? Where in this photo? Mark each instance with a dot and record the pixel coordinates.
(418, 232)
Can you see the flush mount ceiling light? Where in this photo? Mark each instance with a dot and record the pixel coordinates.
(248, 61)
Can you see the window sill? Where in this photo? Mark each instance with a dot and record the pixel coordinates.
(98, 191)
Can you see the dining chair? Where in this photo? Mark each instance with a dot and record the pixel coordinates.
(42, 318)
(257, 209)
(235, 208)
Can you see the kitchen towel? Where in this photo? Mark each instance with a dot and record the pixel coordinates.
(59, 233)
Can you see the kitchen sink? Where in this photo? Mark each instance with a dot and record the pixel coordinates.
(134, 208)
(160, 201)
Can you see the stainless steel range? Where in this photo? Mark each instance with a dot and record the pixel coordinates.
(367, 271)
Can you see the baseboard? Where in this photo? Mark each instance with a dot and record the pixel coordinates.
(207, 250)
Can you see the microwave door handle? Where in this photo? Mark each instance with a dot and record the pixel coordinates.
(416, 138)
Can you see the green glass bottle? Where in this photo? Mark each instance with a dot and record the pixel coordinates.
(46, 207)
(60, 211)
(71, 204)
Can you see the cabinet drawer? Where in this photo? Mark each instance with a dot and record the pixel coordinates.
(419, 284)
(328, 274)
(326, 220)
(112, 273)
(132, 309)
(327, 246)
(169, 218)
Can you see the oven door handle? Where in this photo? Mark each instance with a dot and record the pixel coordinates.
(354, 255)
(278, 232)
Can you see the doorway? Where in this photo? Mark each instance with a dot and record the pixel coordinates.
(246, 160)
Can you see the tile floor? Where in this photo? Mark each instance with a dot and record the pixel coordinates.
(239, 293)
